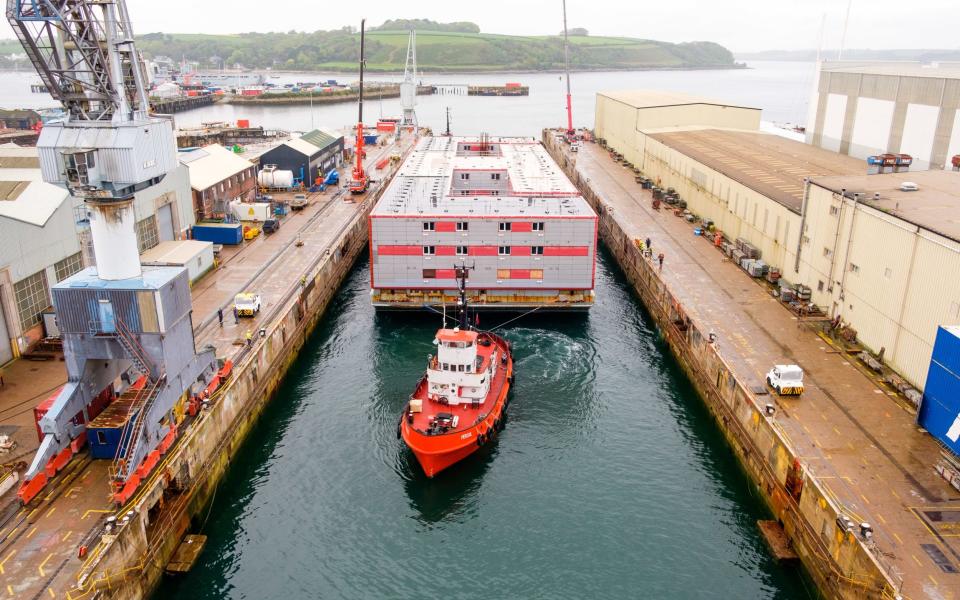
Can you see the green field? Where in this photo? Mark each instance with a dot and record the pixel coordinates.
(436, 51)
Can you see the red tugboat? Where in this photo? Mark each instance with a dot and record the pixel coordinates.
(460, 403)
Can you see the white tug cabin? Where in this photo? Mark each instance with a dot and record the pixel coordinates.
(463, 368)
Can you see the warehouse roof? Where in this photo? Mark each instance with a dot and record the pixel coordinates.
(896, 69)
(934, 207)
(768, 164)
(211, 165)
(18, 157)
(24, 196)
(311, 142)
(657, 99)
(320, 139)
(532, 184)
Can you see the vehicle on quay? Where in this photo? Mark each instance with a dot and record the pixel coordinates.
(271, 225)
(247, 304)
(460, 404)
(299, 202)
(786, 380)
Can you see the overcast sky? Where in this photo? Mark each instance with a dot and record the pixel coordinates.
(740, 25)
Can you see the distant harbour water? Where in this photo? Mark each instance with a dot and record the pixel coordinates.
(781, 89)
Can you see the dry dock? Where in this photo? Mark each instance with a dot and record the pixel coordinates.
(59, 546)
(844, 451)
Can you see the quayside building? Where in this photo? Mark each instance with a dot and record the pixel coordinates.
(500, 206)
(877, 258)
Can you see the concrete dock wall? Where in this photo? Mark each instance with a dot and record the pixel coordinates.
(838, 560)
(129, 564)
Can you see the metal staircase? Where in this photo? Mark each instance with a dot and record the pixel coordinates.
(130, 437)
(134, 350)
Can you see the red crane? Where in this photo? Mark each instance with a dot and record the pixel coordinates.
(571, 134)
(360, 182)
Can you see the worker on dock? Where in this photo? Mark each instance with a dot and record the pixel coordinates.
(249, 337)
(660, 259)
(220, 316)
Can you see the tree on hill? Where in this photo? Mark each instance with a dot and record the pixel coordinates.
(577, 31)
(427, 25)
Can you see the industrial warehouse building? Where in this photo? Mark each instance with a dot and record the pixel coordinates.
(217, 178)
(38, 247)
(865, 109)
(308, 157)
(886, 260)
(755, 186)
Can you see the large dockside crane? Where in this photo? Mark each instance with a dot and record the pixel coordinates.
(408, 87)
(120, 324)
(360, 181)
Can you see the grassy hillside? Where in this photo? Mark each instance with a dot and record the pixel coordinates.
(436, 51)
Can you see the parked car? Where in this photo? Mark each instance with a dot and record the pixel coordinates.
(271, 225)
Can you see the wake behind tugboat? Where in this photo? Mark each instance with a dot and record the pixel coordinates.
(460, 403)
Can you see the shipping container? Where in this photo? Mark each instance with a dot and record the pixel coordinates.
(939, 410)
(370, 139)
(946, 348)
(230, 234)
(251, 211)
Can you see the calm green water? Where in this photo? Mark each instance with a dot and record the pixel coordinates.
(610, 480)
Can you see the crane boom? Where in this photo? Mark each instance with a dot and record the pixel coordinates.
(84, 52)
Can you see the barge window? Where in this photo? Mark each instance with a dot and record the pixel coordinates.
(429, 273)
(495, 176)
(503, 273)
(538, 226)
(429, 250)
(429, 226)
(461, 250)
(463, 226)
(536, 250)
(503, 250)
(464, 175)
(504, 226)
(536, 274)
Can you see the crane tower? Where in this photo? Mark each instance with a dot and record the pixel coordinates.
(408, 89)
(119, 322)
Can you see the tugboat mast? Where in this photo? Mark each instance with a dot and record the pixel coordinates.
(462, 316)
